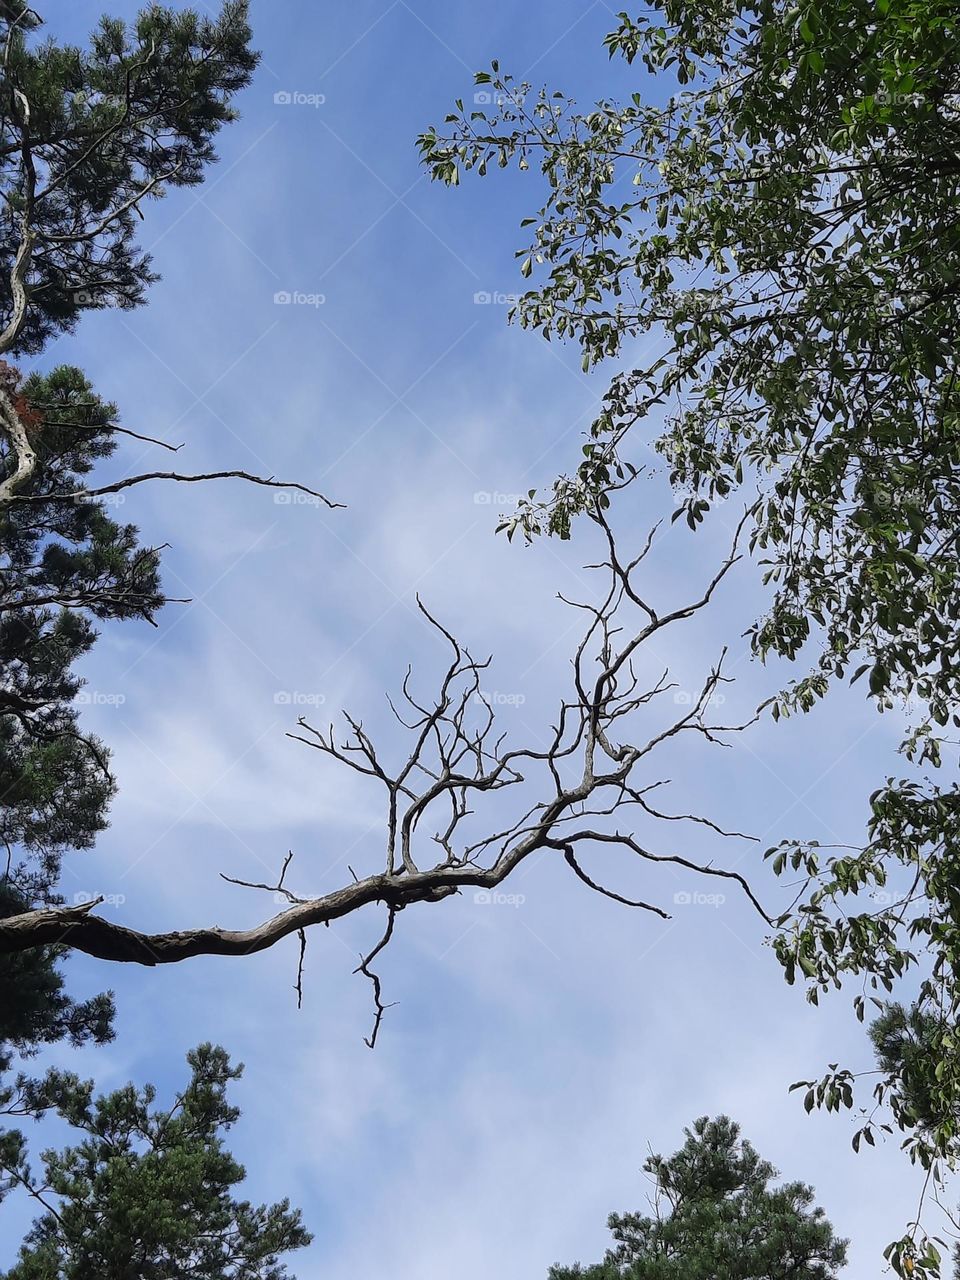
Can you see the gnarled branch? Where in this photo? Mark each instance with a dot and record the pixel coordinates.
(567, 790)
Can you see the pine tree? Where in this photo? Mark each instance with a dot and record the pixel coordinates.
(147, 1193)
(87, 137)
(716, 1217)
(64, 563)
(88, 134)
(35, 1011)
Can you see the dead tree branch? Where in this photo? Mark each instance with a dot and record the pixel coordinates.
(438, 797)
(87, 494)
(364, 968)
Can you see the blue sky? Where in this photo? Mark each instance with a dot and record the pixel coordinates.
(537, 1050)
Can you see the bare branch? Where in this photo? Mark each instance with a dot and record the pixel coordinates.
(364, 968)
(268, 482)
(444, 831)
(303, 953)
(571, 862)
(91, 233)
(114, 428)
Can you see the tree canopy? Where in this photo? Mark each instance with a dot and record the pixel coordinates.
(87, 134)
(715, 1214)
(148, 1191)
(776, 206)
